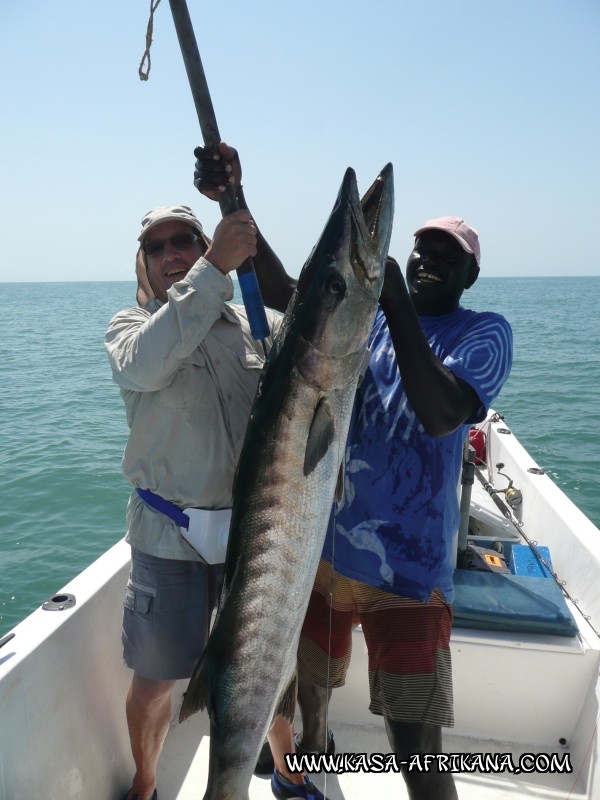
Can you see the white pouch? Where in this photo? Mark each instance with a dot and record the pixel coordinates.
(208, 532)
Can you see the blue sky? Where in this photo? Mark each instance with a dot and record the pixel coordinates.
(487, 110)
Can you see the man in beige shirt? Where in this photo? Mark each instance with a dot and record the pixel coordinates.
(187, 367)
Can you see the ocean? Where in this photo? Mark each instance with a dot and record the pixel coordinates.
(62, 496)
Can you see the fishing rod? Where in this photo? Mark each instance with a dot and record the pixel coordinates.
(228, 201)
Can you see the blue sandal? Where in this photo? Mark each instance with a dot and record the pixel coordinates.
(265, 764)
(284, 790)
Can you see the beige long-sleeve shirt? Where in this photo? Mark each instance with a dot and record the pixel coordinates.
(188, 371)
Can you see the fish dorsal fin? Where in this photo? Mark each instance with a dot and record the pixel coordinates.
(203, 688)
(200, 688)
(320, 435)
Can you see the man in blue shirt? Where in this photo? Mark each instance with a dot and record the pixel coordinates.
(434, 369)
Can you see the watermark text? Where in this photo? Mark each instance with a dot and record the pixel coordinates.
(339, 763)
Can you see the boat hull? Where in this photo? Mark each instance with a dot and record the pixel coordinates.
(63, 732)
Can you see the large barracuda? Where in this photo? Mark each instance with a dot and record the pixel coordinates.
(285, 485)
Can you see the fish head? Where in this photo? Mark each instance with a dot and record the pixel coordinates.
(339, 286)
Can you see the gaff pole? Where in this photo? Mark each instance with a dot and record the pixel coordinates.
(228, 202)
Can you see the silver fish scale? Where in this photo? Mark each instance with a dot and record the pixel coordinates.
(277, 567)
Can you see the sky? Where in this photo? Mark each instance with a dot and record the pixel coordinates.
(488, 110)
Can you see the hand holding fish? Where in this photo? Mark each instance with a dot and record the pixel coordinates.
(215, 169)
(234, 241)
(394, 286)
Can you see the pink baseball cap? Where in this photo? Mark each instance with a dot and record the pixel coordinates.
(464, 234)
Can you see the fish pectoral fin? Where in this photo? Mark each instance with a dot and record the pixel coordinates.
(286, 705)
(320, 435)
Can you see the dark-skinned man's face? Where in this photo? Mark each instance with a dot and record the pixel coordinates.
(437, 273)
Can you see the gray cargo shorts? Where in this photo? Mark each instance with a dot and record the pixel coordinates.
(166, 614)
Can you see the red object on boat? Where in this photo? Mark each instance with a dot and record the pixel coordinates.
(477, 442)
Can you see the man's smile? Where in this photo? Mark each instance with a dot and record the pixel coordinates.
(178, 270)
(428, 277)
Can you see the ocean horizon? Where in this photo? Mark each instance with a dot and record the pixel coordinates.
(62, 495)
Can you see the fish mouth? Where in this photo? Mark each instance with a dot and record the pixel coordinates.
(358, 232)
(339, 285)
(377, 205)
(372, 218)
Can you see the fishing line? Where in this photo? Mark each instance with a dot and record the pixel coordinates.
(342, 472)
(519, 525)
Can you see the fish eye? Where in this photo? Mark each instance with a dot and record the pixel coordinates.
(335, 284)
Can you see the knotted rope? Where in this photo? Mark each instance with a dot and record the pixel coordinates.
(144, 73)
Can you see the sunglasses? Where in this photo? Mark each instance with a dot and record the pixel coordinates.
(180, 241)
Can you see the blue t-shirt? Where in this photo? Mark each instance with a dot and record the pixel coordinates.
(396, 526)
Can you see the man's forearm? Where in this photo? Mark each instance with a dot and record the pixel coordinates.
(441, 401)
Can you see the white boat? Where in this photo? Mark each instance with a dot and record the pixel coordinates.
(524, 699)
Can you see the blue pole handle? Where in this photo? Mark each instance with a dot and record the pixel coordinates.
(253, 302)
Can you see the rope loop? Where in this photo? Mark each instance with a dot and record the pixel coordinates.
(144, 73)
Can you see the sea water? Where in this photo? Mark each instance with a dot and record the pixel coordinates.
(63, 430)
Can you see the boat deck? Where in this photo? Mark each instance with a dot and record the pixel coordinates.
(183, 769)
(523, 688)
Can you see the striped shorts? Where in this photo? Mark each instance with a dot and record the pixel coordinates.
(408, 644)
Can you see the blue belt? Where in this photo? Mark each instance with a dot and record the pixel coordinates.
(158, 503)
